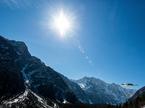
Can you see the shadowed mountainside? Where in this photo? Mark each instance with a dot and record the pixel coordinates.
(24, 79)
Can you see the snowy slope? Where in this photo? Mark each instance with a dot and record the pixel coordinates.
(77, 90)
(20, 67)
(28, 99)
(99, 91)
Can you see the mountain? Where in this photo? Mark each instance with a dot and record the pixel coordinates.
(77, 90)
(18, 66)
(137, 100)
(11, 79)
(100, 92)
(19, 71)
(28, 99)
(140, 92)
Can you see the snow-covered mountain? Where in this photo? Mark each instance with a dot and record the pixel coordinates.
(28, 99)
(99, 91)
(77, 90)
(18, 67)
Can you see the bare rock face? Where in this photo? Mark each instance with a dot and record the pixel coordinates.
(11, 79)
(140, 92)
(137, 100)
(45, 81)
(18, 66)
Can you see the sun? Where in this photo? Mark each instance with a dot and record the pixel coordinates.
(62, 23)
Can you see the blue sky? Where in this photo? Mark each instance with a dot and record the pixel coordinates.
(111, 32)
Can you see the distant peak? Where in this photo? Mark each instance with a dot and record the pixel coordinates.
(87, 77)
(91, 79)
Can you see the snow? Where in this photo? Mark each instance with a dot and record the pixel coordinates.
(55, 105)
(19, 99)
(18, 53)
(116, 93)
(90, 102)
(23, 72)
(81, 85)
(65, 101)
(27, 82)
(41, 100)
(24, 96)
(32, 72)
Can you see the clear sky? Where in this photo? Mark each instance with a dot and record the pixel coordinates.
(110, 32)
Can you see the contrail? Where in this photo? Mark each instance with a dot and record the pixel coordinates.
(82, 51)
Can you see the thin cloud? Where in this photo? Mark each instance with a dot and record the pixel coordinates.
(82, 51)
(128, 84)
(12, 4)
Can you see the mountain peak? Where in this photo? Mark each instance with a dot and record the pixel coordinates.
(18, 66)
(96, 89)
(91, 80)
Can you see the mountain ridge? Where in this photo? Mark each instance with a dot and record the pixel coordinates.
(113, 93)
(41, 78)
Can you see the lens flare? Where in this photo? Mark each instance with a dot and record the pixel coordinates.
(62, 23)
